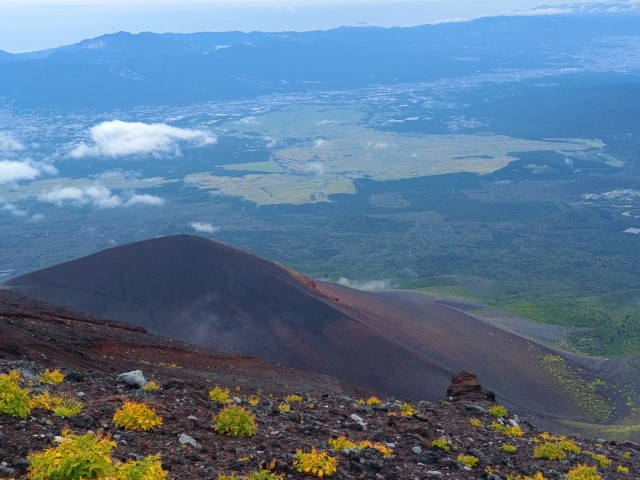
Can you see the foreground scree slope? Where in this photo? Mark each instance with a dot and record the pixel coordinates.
(395, 343)
(465, 438)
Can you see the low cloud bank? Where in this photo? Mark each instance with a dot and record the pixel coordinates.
(121, 139)
(97, 196)
(15, 171)
(202, 227)
(365, 285)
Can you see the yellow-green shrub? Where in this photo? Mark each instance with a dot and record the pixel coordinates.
(14, 400)
(76, 457)
(220, 395)
(386, 451)
(254, 400)
(507, 430)
(284, 407)
(42, 400)
(149, 468)
(318, 464)
(65, 405)
(583, 472)
(342, 443)
(407, 410)
(601, 459)
(151, 386)
(508, 448)
(622, 469)
(49, 376)
(498, 411)
(475, 422)
(372, 401)
(235, 421)
(441, 444)
(292, 398)
(468, 460)
(136, 416)
(262, 474)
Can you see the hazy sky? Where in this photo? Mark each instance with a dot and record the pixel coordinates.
(27, 25)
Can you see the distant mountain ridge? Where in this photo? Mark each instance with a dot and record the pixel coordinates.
(396, 343)
(123, 70)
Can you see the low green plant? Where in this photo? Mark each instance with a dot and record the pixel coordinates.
(507, 430)
(14, 400)
(441, 444)
(554, 448)
(136, 416)
(508, 448)
(51, 376)
(42, 400)
(65, 405)
(583, 472)
(604, 461)
(622, 469)
(341, 443)
(318, 464)
(468, 460)
(475, 422)
(284, 407)
(537, 476)
(85, 457)
(253, 400)
(407, 410)
(151, 386)
(76, 457)
(220, 395)
(262, 474)
(235, 421)
(292, 398)
(149, 468)
(498, 411)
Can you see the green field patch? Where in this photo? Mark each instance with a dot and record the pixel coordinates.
(337, 146)
(263, 167)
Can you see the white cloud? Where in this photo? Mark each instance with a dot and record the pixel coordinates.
(249, 121)
(12, 171)
(120, 139)
(365, 285)
(148, 200)
(9, 144)
(319, 142)
(202, 227)
(13, 210)
(96, 196)
(316, 168)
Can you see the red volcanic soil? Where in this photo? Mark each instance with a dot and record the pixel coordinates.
(91, 351)
(395, 343)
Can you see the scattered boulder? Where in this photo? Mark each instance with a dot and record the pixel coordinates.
(134, 379)
(464, 384)
(185, 439)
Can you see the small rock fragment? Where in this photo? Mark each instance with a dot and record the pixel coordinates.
(187, 440)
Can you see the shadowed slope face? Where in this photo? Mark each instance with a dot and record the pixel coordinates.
(397, 343)
(197, 290)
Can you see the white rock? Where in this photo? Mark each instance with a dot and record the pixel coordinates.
(134, 378)
(187, 440)
(356, 418)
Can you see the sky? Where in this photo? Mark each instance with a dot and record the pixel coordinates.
(29, 25)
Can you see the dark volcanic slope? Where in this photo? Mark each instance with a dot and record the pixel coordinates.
(57, 337)
(207, 293)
